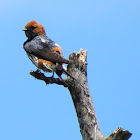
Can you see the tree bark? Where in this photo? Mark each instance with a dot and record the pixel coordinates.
(81, 97)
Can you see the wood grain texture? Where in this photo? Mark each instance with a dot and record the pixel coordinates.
(82, 100)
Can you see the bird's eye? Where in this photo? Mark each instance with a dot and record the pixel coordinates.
(33, 27)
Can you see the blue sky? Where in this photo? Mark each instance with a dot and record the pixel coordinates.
(108, 29)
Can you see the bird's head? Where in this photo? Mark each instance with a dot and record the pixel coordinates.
(33, 28)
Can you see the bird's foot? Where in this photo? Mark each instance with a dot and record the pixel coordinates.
(38, 71)
(52, 75)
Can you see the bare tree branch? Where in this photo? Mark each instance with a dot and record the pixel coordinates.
(119, 134)
(81, 97)
(48, 80)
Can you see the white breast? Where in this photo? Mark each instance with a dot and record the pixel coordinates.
(34, 59)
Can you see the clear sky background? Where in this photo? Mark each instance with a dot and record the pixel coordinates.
(108, 29)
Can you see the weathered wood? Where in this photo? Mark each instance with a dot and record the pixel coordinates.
(48, 80)
(81, 97)
(119, 134)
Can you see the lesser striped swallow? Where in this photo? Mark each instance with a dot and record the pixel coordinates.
(42, 51)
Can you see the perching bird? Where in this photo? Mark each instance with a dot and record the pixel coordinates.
(42, 51)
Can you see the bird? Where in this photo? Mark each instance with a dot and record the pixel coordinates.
(44, 53)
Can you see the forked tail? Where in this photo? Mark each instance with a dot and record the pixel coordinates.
(72, 78)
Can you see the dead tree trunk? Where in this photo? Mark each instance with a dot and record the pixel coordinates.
(81, 97)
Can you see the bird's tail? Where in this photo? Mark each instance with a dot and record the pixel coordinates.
(63, 70)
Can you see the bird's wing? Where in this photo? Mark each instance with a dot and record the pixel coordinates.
(44, 48)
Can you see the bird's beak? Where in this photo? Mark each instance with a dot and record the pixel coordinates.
(25, 29)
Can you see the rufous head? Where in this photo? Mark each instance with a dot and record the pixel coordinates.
(33, 28)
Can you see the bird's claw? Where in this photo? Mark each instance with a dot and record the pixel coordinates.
(38, 71)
